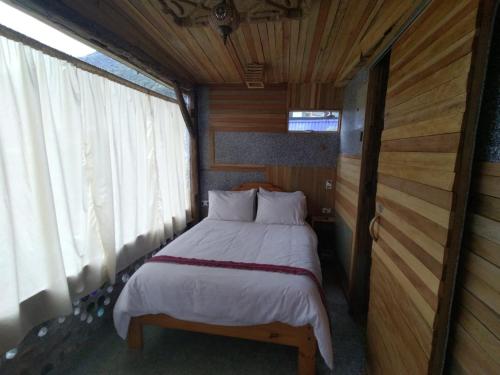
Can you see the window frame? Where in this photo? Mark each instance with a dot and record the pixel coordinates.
(312, 131)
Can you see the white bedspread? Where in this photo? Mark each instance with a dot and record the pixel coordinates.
(231, 296)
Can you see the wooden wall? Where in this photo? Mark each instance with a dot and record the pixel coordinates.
(426, 100)
(236, 108)
(314, 96)
(233, 108)
(475, 343)
(310, 180)
(346, 207)
(346, 189)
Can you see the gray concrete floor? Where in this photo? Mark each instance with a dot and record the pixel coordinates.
(182, 353)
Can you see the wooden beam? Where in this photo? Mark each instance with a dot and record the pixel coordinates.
(195, 161)
(191, 125)
(185, 112)
(374, 124)
(67, 20)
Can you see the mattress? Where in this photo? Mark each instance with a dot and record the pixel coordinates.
(232, 297)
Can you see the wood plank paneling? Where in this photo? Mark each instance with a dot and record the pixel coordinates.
(475, 333)
(346, 192)
(236, 108)
(346, 197)
(424, 116)
(389, 316)
(310, 180)
(329, 44)
(314, 96)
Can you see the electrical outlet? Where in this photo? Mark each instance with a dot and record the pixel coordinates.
(204, 203)
(328, 185)
(326, 210)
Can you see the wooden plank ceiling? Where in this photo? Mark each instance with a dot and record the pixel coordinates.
(328, 45)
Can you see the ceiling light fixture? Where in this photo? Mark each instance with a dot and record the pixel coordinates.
(224, 18)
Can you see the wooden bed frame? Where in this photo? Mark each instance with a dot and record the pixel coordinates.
(279, 333)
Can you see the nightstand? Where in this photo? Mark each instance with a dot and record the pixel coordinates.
(324, 226)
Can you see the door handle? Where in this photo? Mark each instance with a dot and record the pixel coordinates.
(371, 227)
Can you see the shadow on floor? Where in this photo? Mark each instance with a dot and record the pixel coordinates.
(182, 353)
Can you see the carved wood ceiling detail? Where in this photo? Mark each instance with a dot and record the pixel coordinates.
(190, 13)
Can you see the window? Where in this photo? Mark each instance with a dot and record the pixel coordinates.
(93, 175)
(314, 121)
(25, 24)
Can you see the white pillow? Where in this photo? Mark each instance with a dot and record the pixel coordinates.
(231, 205)
(279, 193)
(275, 207)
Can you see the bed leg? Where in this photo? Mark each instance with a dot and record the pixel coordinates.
(307, 355)
(134, 337)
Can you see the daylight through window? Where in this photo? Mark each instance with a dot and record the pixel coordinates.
(313, 121)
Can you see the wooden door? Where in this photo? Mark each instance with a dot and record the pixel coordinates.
(427, 113)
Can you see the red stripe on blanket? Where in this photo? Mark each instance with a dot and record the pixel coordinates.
(242, 266)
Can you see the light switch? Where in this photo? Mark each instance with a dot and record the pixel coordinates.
(328, 185)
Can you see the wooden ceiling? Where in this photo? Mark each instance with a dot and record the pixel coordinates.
(329, 44)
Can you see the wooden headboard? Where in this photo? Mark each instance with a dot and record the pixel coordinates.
(255, 185)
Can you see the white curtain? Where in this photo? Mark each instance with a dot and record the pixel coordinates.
(92, 176)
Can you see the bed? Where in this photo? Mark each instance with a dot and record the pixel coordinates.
(275, 307)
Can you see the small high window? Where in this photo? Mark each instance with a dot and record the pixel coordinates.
(314, 121)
